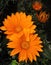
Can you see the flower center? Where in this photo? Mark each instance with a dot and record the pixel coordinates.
(25, 45)
(18, 29)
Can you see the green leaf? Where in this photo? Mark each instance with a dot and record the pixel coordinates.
(14, 62)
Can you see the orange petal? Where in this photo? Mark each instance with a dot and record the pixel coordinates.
(40, 46)
(29, 17)
(38, 49)
(36, 42)
(32, 31)
(29, 54)
(37, 53)
(2, 28)
(22, 55)
(13, 45)
(8, 32)
(32, 37)
(14, 52)
(34, 51)
(15, 36)
(8, 17)
(26, 33)
(33, 27)
(24, 22)
(18, 18)
(34, 57)
(9, 25)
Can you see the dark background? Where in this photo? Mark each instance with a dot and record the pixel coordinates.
(48, 24)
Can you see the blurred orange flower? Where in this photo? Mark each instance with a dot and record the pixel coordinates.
(42, 17)
(37, 5)
(26, 49)
(18, 23)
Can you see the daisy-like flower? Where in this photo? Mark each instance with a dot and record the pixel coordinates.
(26, 49)
(19, 23)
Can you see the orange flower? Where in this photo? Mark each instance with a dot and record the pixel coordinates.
(43, 16)
(18, 23)
(37, 5)
(26, 49)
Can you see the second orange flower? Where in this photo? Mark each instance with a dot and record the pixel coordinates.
(20, 24)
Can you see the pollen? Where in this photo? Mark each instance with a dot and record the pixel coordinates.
(25, 45)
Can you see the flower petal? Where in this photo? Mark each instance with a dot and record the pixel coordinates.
(3, 28)
(13, 45)
(34, 57)
(22, 55)
(29, 54)
(15, 36)
(14, 52)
